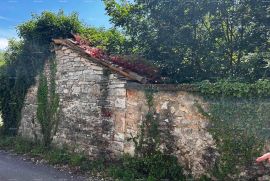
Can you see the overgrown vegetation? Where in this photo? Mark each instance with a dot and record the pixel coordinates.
(48, 104)
(225, 42)
(2, 60)
(22, 64)
(156, 166)
(149, 168)
(230, 89)
(239, 122)
(111, 41)
(197, 40)
(25, 58)
(149, 161)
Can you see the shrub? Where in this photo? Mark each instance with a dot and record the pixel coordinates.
(77, 159)
(58, 156)
(153, 167)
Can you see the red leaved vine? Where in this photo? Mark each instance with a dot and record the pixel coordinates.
(133, 65)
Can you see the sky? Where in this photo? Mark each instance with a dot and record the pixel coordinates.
(15, 12)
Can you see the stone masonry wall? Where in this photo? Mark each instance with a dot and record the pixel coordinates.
(193, 145)
(90, 99)
(99, 112)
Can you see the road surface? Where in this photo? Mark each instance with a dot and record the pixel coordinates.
(14, 168)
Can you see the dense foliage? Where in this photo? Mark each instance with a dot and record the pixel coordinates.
(230, 89)
(25, 58)
(240, 129)
(189, 41)
(151, 167)
(111, 40)
(41, 29)
(198, 40)
(17, 76)
(239, 117)
(2, 61)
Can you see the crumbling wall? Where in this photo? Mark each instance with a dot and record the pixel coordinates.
(99, 112)
(90, 99)
(175, 110)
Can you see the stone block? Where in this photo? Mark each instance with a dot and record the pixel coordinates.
(120, 103)
(76, 90)
(117, 92)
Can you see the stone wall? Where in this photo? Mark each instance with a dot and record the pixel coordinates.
(90, 98)
(100, 111)
(176, 111)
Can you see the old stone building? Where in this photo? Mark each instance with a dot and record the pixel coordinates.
(103, 105)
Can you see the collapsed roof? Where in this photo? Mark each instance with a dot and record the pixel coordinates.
(136, 71)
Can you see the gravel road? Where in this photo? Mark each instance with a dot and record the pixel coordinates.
(15, 168)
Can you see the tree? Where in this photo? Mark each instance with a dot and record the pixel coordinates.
(112, 41)
(44, 27)
(197, 40)
(2, 60)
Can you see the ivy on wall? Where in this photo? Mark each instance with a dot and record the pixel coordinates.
(239, 122)
(225, 88)
(25, 59)
(150, 161)
(48, 105)
(148, 141)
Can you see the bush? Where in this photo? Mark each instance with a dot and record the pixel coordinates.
(44, 27)
(77, 160)
(233, 89)
(239, 128)
(152, 167)
(58, 156)
(22, 146)
(6, 143)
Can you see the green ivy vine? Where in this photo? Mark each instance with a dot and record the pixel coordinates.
(226, 88)
(48, 104)
(239, 123)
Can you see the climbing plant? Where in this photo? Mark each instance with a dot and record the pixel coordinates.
(239, 122)
(24, 59)
(150, 162)
(148, 140)
(48, 105)
(233, 89)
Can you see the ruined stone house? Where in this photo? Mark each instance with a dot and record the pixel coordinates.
(102, 106)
